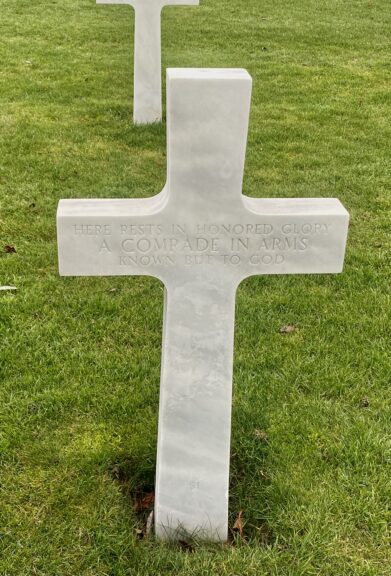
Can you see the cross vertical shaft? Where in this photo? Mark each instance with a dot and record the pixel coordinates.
(147, 106)
(195, 412)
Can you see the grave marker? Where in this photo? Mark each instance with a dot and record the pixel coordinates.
(201, 237)
(147, 101)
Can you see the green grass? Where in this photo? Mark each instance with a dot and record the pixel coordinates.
(80, 358)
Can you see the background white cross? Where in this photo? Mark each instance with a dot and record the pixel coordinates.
(147, 107)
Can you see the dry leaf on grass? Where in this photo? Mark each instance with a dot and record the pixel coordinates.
(145, 501)
(239, 524)
(9, 249)
(261, 435)
(288, 329)
(186, 547)
(263, 474)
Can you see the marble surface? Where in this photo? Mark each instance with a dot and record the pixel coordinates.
(147, 107)
(201, 236)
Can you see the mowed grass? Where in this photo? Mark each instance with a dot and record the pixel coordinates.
(80, 358)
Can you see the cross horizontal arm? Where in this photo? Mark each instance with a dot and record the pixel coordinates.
(132, 237)
(301, 236)
(161, 3)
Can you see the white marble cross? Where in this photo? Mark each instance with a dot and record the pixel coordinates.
(201, 237)
(147, 102)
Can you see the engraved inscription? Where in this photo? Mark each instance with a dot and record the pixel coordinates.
(203, 244)
(92, 229)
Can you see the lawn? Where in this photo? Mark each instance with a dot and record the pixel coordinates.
(80, 358)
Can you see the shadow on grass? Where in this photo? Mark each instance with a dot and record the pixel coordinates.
(249, 484)
(247, 526)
